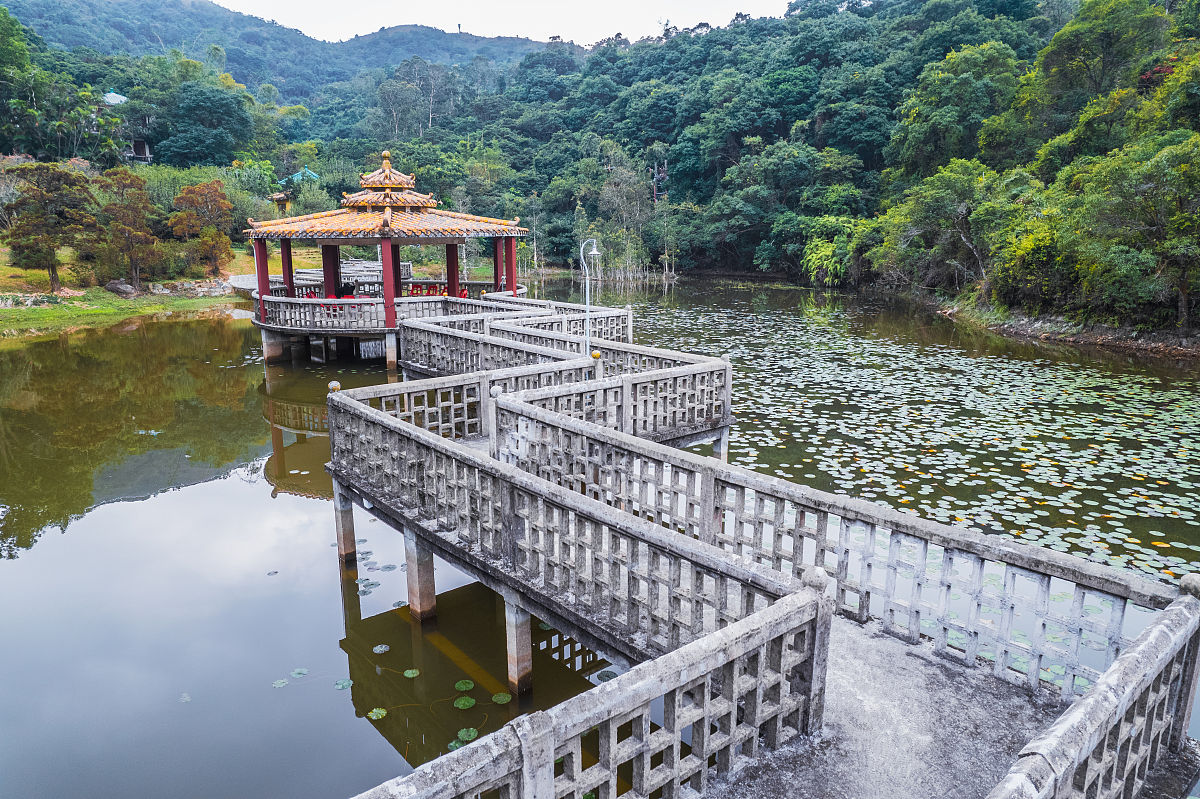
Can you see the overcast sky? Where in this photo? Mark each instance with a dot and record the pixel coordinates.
(583, 22)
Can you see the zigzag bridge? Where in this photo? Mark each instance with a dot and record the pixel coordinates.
(837, 647)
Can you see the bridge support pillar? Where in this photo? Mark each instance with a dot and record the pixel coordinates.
(390, 349)
(272, 345)
(343, 522)
(422, 592)
(721, 446)
(520, 647)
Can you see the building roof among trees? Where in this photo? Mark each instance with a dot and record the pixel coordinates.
(386, 207)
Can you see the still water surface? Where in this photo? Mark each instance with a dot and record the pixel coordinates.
(175, 621)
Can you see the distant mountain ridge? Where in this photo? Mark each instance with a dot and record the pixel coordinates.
(256, 51)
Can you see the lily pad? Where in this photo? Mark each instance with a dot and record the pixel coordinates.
(606, 675)
(376, 713)
(463, 685)
(342, 685)
(272, 573)
(468, 734)
(298, 673)
(464, 703)
(501, 699)
(412, 673)
(379, 649)
(279, 683)
(401, 604)
(454, 745)
(388, 567)
(185, 698)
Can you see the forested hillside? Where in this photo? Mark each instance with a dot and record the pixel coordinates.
(255, 50)
(1040, 156)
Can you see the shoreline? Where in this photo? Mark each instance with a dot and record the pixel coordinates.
(1059, 330)
(26, 317)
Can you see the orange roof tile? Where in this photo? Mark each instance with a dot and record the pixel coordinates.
(380, 211)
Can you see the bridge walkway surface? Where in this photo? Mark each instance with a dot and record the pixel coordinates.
(780, 641)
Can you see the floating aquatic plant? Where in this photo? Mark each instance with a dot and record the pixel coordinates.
(400, 604)
(376, 713)
(412, 673)
(185, 698)
(463, 685)
(343, 684)
(606, 675)
(298, 673)
(272, 573)
(454, 745)
(379, 649)
(501, 699)
(468, 734)
(279, 683)
(464, 703)
(388, 567)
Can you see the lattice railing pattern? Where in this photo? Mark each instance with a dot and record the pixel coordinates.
(982, 601)
(1104, 745)
(630, 576)
(665, 728)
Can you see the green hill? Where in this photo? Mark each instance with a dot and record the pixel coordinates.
(256, 51)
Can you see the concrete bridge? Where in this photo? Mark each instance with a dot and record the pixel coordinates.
(780, 641)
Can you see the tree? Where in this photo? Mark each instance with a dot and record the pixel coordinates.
(126, 214)
(201, 219)
(200, 206)
(1147, 196)
(53, 209)
(207, 124)
(1101, 44)
(941, 119)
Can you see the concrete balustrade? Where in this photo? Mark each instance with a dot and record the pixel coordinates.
(550, 476)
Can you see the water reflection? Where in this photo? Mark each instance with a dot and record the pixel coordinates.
(98, 416)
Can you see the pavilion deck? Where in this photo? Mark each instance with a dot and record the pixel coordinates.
(782, 641)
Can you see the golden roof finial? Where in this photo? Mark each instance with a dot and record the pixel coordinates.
(387, 160)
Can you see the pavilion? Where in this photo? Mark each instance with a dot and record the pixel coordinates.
(387, 212)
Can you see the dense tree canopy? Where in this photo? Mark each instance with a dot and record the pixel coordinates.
(1025, 152)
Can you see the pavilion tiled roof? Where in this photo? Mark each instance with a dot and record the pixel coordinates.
(386, 207)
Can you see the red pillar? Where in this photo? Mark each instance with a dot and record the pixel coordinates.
(452, 270)
(389, 283)
(264, 280)
(510, 263)
(285, 255)
(330, 267)
(397, 280)
(497, 260)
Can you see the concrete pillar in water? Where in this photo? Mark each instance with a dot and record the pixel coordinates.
(520, 647)
(343, 522)
(721, 446)
(422, 592)
(389, 347)
(272, 345)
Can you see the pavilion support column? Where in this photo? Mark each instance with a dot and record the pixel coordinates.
(520, 646)
(452, 270)
(330, 268)
(264, 279)
(389, 289)
(497, 261)
(422, 593)
(272, 344)
(285, 255)
(510, 263)
(391, 352)
(396, 268)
